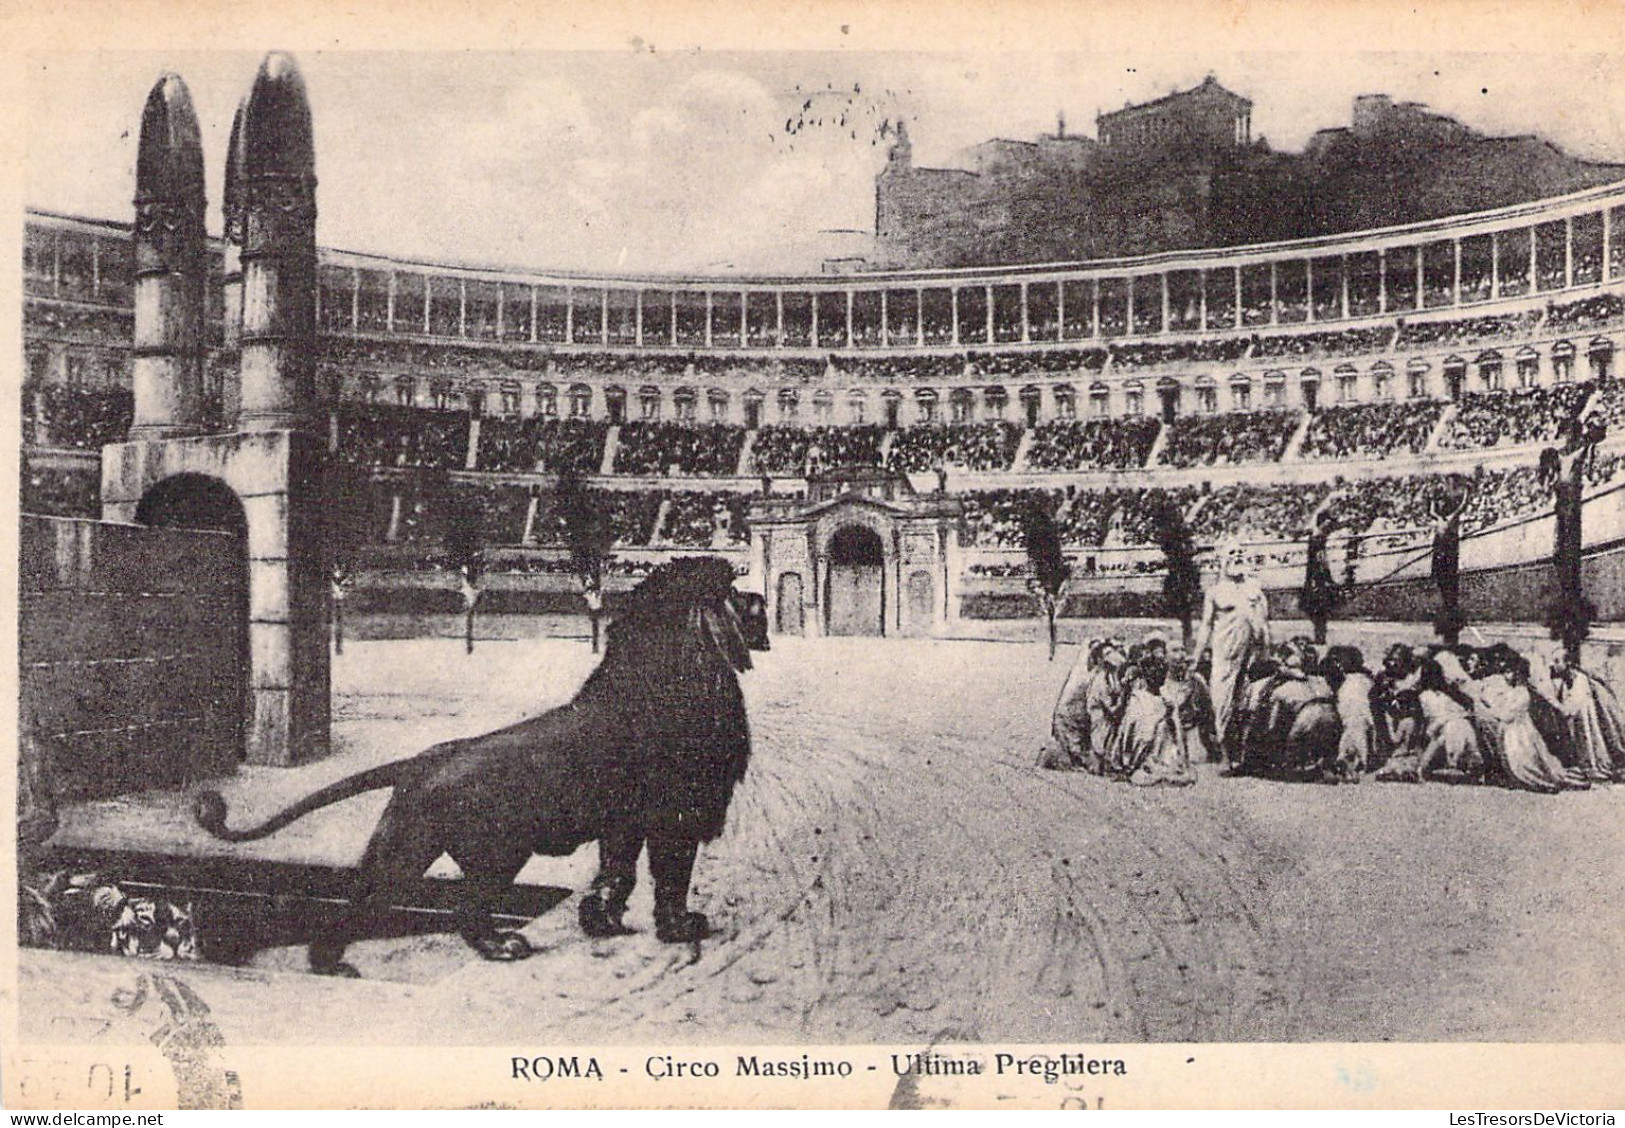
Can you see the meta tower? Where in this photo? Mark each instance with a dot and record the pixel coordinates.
(278, 170)
(170, 266)
(258, 472)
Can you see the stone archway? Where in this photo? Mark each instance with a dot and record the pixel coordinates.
(855, 598)
(193, 501)
(199, 502)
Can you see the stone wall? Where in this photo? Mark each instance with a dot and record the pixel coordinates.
(132, 653)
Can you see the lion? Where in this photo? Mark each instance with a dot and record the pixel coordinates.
(648, 751)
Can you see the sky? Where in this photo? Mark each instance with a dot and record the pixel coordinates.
(653, 160)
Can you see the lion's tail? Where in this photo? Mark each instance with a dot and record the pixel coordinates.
(209, 808)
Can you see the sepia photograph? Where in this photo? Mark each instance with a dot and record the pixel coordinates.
(799, 572)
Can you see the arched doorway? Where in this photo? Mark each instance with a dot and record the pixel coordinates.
(202, 503)
(1168, 393)
(787, 618)
(854, 596)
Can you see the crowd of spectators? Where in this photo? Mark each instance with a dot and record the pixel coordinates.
(892, 369)
(701, 519)
(61, 493)
(1257, 512)
(439, 358)
(621, 365)
(970, 446)
(1513, 417)
(1075, 444)
(1145, 355)
(76, 418)
(1015, 365)
(690, 520)
(1609, 403)
(1467, 330)
(387, 435)
(782, 449)
(1337, 343)
(538, 445)
(1374, 430)
(993, 518)
(102, 324)
(1587, 313)
(1228, 440)
(707, 451)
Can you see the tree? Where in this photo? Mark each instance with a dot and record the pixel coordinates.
(590, 537)
(1047, 567)
(466, 551)
(1182, 581)
(347, 524)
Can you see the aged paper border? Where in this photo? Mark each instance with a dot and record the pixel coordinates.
(1318, 1075)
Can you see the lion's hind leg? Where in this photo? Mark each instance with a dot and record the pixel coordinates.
(397, 855)
(486, 873)
(671, 862)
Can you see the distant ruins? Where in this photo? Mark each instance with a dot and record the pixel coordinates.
(1185, 171)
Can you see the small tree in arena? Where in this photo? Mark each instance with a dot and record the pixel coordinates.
(1047, 567)
(590, 536)
(1182, 582)
(466, 551)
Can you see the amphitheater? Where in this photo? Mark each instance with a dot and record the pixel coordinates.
(861, 446)
(1249, 385)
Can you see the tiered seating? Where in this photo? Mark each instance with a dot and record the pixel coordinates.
(343, 353)
(1008, 365)
(1249, 512)
(103, 324)
(1587, 313)
(709, 450)
(620, 366)
(1226, 440)
(1338, 343)
(537, 445)
(779, 449)
(1467, 330)
(382, 435)
(971, 446)
(1108, 444)
(1145, 355)
(79, 418)
(1374, 430)
(501, 509)
(1134, 519)
(892, 369)
(1512, 418)
(693, 518)
(993, 518)
(1609, 402)
(61, 493)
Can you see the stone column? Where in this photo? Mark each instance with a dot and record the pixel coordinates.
(279, 251)
(288, 570)
(233, 210)
(170, 265)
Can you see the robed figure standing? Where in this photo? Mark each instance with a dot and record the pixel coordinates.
(1235, 623)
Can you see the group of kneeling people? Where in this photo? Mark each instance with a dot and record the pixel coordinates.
(1144, 714)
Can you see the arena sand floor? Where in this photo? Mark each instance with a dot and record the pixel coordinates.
(896, 870)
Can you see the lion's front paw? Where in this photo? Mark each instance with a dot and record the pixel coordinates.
(682, 928)
(503, 946)
(597, 921)
(337, 968)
